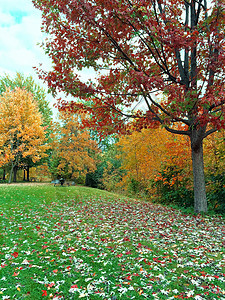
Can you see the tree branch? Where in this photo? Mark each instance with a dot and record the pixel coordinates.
(181, 132)
(180, 66)
(210, 132)
(216, 105)
(167, 113)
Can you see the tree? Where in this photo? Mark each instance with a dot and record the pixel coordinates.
(39, 95)
(214, 155)
(214, 149)
(112, 172)
(73, 151)
(147, 153)
(22, 135)
(167, 54)
(28, 83)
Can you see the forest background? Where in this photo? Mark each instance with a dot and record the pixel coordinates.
(151, 164)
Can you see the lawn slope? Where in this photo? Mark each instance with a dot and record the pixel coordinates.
(77, 242)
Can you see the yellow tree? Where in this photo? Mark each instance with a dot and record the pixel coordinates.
(146, 153)
(39, 95)
(214, 158)
(73, 150)
(22, 135)
(214, 148)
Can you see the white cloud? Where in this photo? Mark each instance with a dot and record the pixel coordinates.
(20, 32)
(17, 5)
(6, 18)
(18, 48)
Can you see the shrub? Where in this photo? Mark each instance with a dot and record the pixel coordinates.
(134, 186)
(3, 181)
(216, 192)
(173, 188)
(94, 179)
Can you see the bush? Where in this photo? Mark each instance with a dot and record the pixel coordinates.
(216, 192)
(172, 188)
(3, 181)
(94, 179)
(180, 196)
(80, 180)
(134, 186)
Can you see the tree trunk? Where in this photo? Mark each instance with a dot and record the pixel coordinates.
(4, 173)
(28, 173)
(14, 173)
(11, 172)
(200, 202)
(24, 174)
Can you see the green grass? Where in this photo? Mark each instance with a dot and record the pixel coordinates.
(77, 242)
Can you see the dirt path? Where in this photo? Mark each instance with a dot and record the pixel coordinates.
(25, 183)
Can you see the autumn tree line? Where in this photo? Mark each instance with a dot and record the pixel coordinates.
(31, 140)
(149, 163)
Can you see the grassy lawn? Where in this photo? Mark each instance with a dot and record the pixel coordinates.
(77, 242)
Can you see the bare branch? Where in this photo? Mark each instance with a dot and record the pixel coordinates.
(214, 106)
(186, 54)
(180, 67)
(181, 132)
(151, 110)
(167, 113)
(187, 3)
(199, 10)
(210, 132)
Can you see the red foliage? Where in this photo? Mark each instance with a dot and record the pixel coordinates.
(143, 48)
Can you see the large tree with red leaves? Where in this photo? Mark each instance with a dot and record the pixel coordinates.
(167, 55)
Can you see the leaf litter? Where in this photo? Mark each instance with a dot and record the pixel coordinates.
(108, 248)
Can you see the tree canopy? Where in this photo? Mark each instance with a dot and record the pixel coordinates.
(73, 150)
(28, 83)
(22, 135)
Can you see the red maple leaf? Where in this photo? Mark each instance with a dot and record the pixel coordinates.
(74, 286)
(15, 254)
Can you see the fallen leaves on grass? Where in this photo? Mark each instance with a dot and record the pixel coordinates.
(107, 248)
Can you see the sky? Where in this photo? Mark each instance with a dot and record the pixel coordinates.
(20, 32)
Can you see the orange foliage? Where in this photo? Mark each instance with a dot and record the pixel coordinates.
(73, 147)
(214, 152)
(145, 154)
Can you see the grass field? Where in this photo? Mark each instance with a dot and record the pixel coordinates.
(77, 242)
